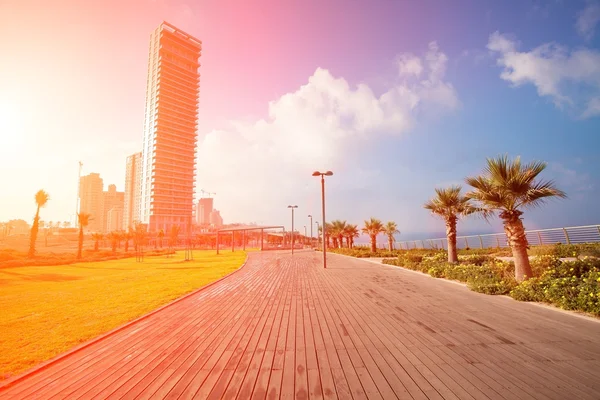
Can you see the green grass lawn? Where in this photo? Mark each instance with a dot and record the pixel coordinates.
(45, 311)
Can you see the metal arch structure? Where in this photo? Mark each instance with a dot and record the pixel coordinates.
(244, 229)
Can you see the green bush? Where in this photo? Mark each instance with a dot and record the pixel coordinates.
(567, 250)
(573, 285)
(476, 259)
(491, 284)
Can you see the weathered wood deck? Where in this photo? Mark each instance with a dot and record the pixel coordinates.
(282, 327)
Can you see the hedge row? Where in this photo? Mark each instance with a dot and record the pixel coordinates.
(571, 285)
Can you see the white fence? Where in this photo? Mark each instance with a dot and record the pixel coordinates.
(568, 235)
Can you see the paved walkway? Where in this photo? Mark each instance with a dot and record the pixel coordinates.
(283, 327)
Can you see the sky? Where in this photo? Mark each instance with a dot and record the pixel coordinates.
(396, 97)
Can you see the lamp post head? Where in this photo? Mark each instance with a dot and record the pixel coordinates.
(309, 216)
(292, 206)
(317, 173)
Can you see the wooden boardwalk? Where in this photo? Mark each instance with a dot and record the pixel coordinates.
(282, 327)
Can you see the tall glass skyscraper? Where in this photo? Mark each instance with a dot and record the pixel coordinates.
(170, 130)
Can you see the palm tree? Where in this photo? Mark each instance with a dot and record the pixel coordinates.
(390, 229)
(337, 232)
(114, 240)
(41, 199)
(507, 186)
(351, 232)
(450, 205)
(373, 227)
(97, 237)
(84, 220)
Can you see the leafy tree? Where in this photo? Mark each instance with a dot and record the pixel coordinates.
(161, 235)
(41, 199)
(373, 227)
(114, 237)
(450, 205)
(390, 229)
(84, 220)
(174, 235)
(508, 186)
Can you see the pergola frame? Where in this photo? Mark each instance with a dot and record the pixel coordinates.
(244, 229)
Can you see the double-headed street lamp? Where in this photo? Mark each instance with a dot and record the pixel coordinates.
(323, 175)
(292, 207)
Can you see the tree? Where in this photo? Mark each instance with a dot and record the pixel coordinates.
(140, 235)
(41, 199)
(114, 240)
(351, 232)
(127, 236)
(336, 232)
(507, 187)
(328, 230)
(174, 235)
(390, 229)
(450, 205)
(97, 237)
(84, 220)
(373, 227)
(161, 235)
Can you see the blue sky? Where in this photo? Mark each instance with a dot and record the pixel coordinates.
(396, 97)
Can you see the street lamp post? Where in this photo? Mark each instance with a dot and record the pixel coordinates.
(323, 175)
(311, 233)
(292, 207)
(304, 234)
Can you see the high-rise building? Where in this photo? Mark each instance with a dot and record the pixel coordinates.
(203, 210)
(91, 200)
(114, 219)
(215, 219)
(111, 199)
(170, 136)
(133, 190)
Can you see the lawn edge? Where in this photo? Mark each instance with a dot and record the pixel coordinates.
(548, 306)
(45, 364)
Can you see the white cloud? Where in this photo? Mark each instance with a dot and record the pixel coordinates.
(570, 180)
(587, 20)
(257, 168)
(554, 70)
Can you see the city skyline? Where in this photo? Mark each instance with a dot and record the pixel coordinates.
(401, 111)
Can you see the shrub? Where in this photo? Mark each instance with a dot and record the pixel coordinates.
(476, 259)
(437, 271)
(567, 250)
(491, 284)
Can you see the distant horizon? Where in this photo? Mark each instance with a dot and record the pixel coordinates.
(418, 101)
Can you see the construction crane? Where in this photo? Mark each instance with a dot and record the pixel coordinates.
(204, 192)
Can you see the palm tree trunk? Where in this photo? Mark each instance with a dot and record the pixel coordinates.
(80, 244)
(451, 236)
(373, 244)
(34, 232)
(391, 244)
(517, 240)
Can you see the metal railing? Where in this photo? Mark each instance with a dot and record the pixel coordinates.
(567, 235)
